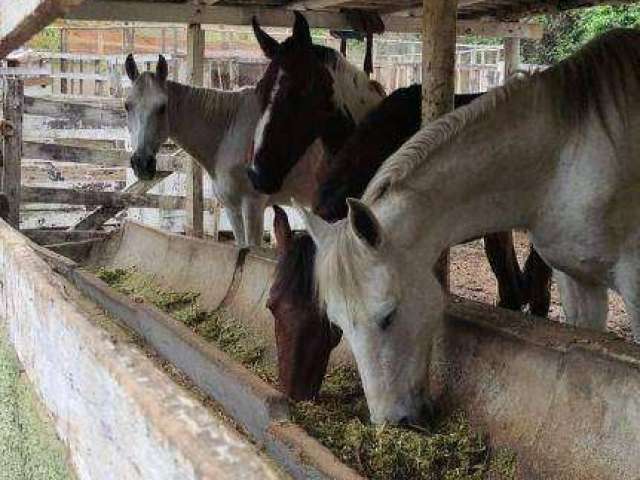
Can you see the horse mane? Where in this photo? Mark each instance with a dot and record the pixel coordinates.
(603, 70)
(294, 272)
(215, 105)
(356, 85)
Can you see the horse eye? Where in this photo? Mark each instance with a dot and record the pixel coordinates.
(385, 321)
(127, 106)
(162, 110)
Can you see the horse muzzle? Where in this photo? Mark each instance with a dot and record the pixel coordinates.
(144, 166)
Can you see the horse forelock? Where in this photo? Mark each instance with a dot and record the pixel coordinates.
(338, 270)
(294, 271)
(596, 80)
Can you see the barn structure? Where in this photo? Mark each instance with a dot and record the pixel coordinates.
(133, 414)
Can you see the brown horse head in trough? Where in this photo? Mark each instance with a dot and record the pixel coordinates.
(304, 335)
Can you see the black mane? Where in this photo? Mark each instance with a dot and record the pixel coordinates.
(376, 138)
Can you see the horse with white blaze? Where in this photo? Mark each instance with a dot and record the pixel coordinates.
(557, 154)
(216, 128)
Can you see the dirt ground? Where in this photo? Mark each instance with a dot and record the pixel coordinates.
(471, 277)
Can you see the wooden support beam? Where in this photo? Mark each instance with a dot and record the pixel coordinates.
(438, 75)
(22, 19)
(117, 11)
(194, 219)
(12, 108)
(511, 57)
(102, 214)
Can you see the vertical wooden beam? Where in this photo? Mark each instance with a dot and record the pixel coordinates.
(194, 201)
(438, 75)
(12, 107)
(511, 56)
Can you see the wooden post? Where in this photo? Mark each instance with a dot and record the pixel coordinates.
(194, 201)
(12, 107)
(438, 75)
(511, 56)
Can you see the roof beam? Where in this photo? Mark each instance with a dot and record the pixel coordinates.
(313, 4)
(21, 20)
(274, 17)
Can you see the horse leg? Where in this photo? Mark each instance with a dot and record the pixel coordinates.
(234, 213)
(253, 219)
(537, 284)
(504, 263)
(584, 305)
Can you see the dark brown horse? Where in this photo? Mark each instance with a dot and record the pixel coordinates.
(304, 336)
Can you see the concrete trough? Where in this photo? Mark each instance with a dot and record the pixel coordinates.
(567, 401)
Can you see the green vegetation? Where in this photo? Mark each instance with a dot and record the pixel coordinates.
(29, 449)
(566, 32)
(47, 40)
(339, 418)
(218, 326)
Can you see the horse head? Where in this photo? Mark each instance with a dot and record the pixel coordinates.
(297, 103)
(304, 336)
(147, 115)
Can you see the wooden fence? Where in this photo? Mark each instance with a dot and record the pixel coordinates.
(18, 152)
(478, 68)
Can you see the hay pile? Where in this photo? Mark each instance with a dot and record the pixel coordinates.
(339, 419)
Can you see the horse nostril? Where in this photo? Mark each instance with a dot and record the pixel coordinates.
(404, 421)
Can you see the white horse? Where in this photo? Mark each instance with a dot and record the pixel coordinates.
(216, 128)
(557, 154)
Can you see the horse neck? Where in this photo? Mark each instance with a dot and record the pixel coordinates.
(353, 98)
(485, 179)
(201, 118)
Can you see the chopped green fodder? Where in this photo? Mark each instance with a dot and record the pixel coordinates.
(339, 418)
(29, 449)
(449, 451)
(218, 326)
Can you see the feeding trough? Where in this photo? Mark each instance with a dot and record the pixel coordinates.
(566, 401)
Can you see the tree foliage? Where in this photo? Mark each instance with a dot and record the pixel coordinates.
(566, 32)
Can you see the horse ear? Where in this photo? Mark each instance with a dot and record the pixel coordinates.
(162, 69)
(364, 223)
(131, 68)
(301, 33)
(282, 229)
(268, 44)
(319, 229)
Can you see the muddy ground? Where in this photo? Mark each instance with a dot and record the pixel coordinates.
(471, 277)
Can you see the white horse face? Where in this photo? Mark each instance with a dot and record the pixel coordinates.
(147, 116)
(367, 290)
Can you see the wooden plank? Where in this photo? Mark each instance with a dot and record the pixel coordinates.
(194, 218)
(20, 20)
(56, 152)
(314, 4)
(438, 76)
(115, 199)
(76, 115)
(12, 108)
(50, 236)
(65, 153)
(277, 17)
(102, 214)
